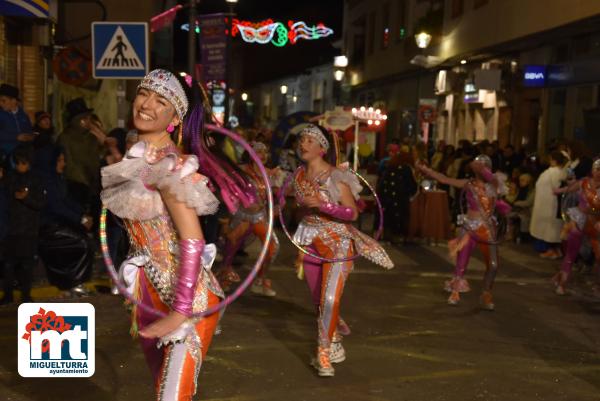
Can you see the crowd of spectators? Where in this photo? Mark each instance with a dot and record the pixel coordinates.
(49, 183)
(537, 212)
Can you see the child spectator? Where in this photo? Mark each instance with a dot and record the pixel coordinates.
(26, 198)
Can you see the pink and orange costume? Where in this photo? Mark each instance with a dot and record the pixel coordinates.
(151, 272)
(584, 223)
(329, 233)
(252, 221)
(163, 271)
(479, 228)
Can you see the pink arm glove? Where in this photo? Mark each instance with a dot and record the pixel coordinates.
(337, 211)
(190, 264)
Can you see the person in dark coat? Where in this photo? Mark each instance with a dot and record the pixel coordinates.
(26, 198)
(60, 209)
(43, 144)
(398, 185)
(3, 214)
(83, 141)
(15, 127)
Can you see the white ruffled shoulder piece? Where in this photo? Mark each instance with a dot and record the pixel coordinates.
(342, 174)
(131, 187)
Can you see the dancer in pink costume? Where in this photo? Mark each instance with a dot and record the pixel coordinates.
(329, 195)
(158, 193)
(479, 226)
(252, 222)
(585, 222)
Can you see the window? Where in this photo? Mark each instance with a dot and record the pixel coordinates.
(401, 20)
(457, 8)
(479, 3)
(371, 36)
(385, 26)
(561, 53)
(358, 44)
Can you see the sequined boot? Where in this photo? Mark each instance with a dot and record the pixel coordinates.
(487, 301)
(322, 362)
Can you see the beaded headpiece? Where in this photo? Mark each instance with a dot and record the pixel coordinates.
(314, 132)
(166, 84)
(485, 159)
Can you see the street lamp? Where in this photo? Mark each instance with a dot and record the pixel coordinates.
(338, 75)
(340, 61)
(283, 89)
(244, 96)
(229, 105)
(422, 39)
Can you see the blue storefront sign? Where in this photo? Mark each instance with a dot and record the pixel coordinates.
(534, 76)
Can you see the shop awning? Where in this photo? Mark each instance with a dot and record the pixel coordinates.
(25, 8)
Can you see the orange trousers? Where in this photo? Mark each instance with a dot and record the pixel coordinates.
(174, 367)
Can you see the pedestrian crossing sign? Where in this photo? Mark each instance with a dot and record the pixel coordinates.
(120, 50)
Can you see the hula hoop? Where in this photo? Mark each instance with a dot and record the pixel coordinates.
(281, 203)
(244, 284)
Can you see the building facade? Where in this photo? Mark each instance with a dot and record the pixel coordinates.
(517, 71)
(24, 52)
(379, 42)
(315, 90)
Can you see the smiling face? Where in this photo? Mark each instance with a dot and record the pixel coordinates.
(309, 148)
(152, 113)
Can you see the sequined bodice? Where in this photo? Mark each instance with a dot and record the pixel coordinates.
(589, 196)
(156, 238)
(480, 197)
(320, 186)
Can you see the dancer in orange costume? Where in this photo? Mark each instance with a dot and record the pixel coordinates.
(585, 222)
(253, 221)
(329, 194)
(478, 228)
(158, 193)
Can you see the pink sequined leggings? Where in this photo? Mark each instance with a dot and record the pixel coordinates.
(574, 241)
(490, 254)
(326, 284)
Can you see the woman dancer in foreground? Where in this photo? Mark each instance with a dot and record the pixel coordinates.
(158, 193)
(478, 228)
(329, 194)
(585, 222)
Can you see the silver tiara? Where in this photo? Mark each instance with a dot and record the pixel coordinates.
(166, 84)
(485, 159)
(314, 132)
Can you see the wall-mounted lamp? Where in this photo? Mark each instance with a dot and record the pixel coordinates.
(422, 39)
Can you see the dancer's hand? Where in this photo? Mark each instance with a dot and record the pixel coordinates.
(312, 201)
(164, 326)
(422, 167)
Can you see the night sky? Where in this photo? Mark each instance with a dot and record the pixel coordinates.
(267, 62)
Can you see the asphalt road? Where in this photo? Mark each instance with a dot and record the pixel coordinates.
(406, 343)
